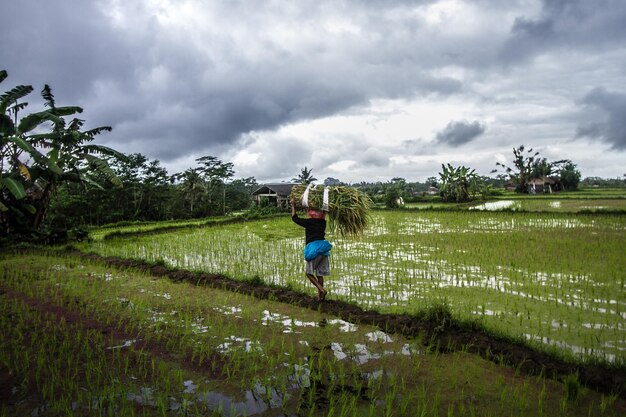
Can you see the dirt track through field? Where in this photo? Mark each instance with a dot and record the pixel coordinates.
(444, 336)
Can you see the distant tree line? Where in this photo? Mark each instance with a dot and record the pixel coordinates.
(604, 182)
(149, 193)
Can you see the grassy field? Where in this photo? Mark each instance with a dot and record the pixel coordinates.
(83, 339)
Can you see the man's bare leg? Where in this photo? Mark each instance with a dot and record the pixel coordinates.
(321, 295)
(321, 292)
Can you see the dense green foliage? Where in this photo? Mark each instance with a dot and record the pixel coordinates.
(460, 184)
(528, 166)
(38, 153)
(149, 193)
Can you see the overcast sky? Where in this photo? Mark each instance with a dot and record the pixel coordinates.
(354, 90)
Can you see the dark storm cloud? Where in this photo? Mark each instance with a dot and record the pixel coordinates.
(181, 78)
(578, 24)
(460, 133)
(66, 44)
(613, 129)
(156, 87)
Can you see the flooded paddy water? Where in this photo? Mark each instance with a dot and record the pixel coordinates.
(553, 279)
(82, 338)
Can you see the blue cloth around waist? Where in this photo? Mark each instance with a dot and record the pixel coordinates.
(318, 247)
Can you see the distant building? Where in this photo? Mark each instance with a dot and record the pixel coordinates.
(510, 186)
(542, 185)
(432, 191)
(276, 193)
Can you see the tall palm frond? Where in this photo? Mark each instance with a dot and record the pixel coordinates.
(13, 95)
(47, 95)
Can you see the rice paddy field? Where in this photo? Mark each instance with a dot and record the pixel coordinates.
(546, 204)
(81, 336)
(556, 280)
(586, 200)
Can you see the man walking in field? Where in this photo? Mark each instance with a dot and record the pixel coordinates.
(317, 249)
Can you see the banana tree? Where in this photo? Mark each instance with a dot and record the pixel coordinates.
(39, 152)
(457, 183)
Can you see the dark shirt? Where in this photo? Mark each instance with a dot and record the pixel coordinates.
(314, 229)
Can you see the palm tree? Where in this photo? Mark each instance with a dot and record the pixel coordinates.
(193, 186)
(305, 176)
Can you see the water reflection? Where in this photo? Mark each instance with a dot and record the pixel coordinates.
(255, 401)
(496, 205)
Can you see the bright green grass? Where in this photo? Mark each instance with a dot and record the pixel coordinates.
(98, 233)
(552, 278)
(121, 342)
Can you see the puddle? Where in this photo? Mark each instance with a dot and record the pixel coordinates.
(288, 323)
(363, 355)
(125, 302)
(577, 350)
(373, 376)
(127, 343)
(379, 336)
(165, 295)
(197, 325)
(407, 350)
(58, 268)
(301, 376)
(234, 342)
(256, 401)
(337, 349)
(229, 310)
(143, 398)
(496, 205)
(344, 326)
(190, 387)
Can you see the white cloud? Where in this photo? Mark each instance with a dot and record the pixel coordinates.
(354, 90)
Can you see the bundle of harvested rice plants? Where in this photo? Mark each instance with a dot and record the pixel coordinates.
(348, 208)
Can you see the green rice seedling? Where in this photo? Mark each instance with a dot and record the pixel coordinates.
(572, 388)
(254, 345)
